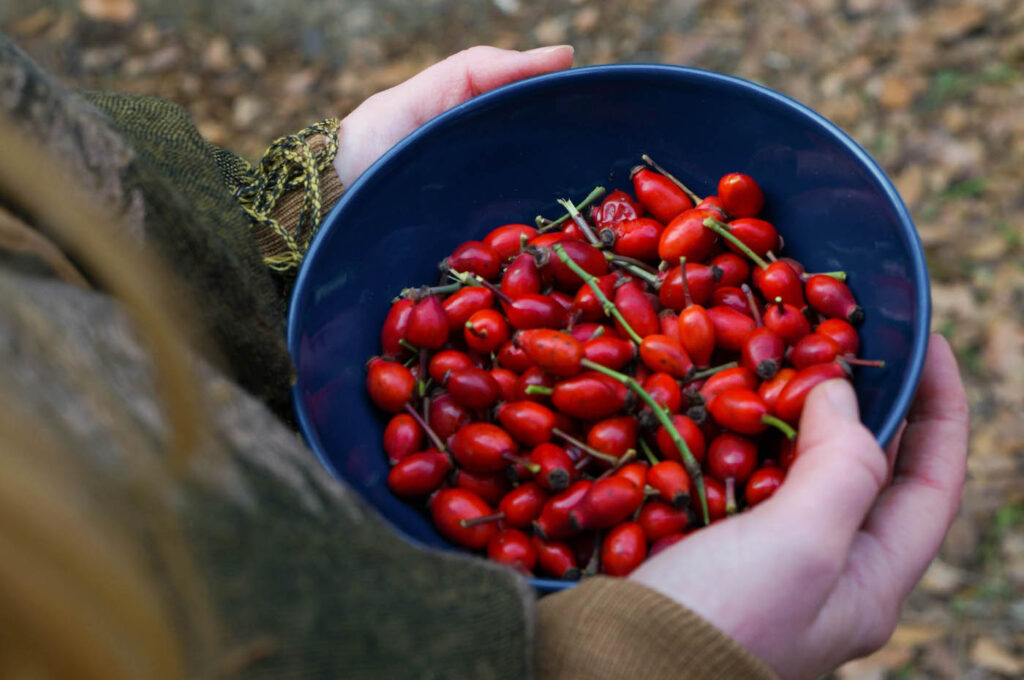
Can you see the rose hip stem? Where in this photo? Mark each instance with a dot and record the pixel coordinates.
(873, 363)
(647, 452)
(581, 223)
(409, 346)
(708, 372)
(780, 425)
(468, 278)
(650, 161)
(583, 446)
(539, 389)
(427, 291)
(722, 229)
(840, 274)
(426, 428)
(730, 496)
(636, 268)
(629, 455)
(544, 224)
(606, 304)
(483, 519)
(752, 304)
(689, 462)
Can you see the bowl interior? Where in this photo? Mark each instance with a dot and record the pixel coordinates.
(506, 156)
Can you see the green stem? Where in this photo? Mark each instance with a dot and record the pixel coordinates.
(589, 450)
(426, 428)
(722, 229)
(408, 345)
(686, 189)
(550, 225)
(581, 223)
(840, 274)
(538, 389)
(708, 372)
(647, 276)
(647, 452)
(873, 363)
(689, 462)
(591, 280)
(427, 291)
(781, 425)
(752, 304)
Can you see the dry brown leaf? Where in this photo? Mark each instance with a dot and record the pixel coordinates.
(114, 11)
(874, 667)
(915, 634)
(986, 653)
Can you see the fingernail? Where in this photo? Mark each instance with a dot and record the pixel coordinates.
(555, 48)
(841, 395)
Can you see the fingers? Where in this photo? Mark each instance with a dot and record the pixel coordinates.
(385, 118)
(912, 516)
(836, 477)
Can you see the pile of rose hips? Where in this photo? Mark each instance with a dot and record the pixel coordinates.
(575, 396)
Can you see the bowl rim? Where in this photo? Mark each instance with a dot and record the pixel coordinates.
(918, 350)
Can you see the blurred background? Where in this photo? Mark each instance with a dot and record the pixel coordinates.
(933, 90)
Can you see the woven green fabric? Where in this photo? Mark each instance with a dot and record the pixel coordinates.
(286, 553)
(194, 220)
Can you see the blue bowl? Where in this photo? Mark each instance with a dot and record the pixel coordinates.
(507, 155)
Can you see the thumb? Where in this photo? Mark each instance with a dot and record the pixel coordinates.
(838, 472)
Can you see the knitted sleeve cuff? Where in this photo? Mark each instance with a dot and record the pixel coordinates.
(615, 628)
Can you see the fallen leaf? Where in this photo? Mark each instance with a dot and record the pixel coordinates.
(114, 11)
(986, 653)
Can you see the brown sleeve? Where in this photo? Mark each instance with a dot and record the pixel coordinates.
(614, 628)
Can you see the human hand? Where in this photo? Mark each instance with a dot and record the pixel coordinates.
(816, 575)
(385, 118)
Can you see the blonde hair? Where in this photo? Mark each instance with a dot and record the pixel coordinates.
(77, 598)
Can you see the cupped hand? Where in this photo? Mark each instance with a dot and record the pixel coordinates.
(817, 574)
(385, 118)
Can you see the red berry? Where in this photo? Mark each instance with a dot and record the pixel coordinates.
(419, 474)
(659, 195)
(623, 549)
(390, 385)
(449, 507)
(482, 447)
(513, 548)
(403, 437)
(507, 240)
(740, 195)
(477, 258)
(762, 484)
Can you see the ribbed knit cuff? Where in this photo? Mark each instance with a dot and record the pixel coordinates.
(609, 628)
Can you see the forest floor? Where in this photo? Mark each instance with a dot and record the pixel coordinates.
(933, 90)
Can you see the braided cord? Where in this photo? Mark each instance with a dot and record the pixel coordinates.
(290, 163)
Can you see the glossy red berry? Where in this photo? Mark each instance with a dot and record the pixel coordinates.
(419, 474)
(460, 305)
(843, 333)
(664, 389)
(535, 311)
(608, 502)
(403, 437)
(616, 207)
(763, 352)
(447, 360)
(589, 259)
(390, 385)
(555, 468)
(554, 523)
(700, 279)
(691, 434)
(490, 486)
(512, 548)
(780, 280)
(638, 238)
(786, 320)
(814, 348)
(523, 504)
(589, 395)
(508, 239)
(556, 352)
(735, 269)
(482, 447)
(445, 415)
(758, 235)
(450, 507)
(686, 236)
(770, 390)
(395, 325)
(472, 387)
(528, 422)
(832, 298)
(669, 478)
(731, 456)
(623, 549)
(522, 277)
(428, 324)
(613, 436)
(555, 559)
(661, 353)
(608, 351)
(513, 358)
(659, 196)
(731, 327)
(659, 520)
(636, 309)
(477, 258)
(762, 484)
(790, 403)
(587, 304)
(507, 381)
(740, 195)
